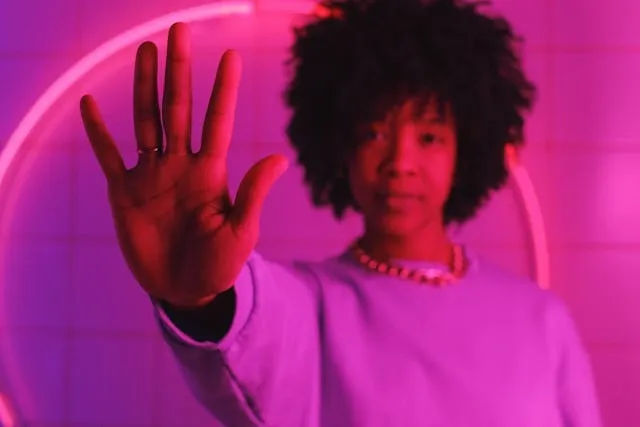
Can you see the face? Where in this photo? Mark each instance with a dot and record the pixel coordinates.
(402, 172)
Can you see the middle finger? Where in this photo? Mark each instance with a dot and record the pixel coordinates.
(177, 90)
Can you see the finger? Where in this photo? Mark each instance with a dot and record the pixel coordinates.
(177, 90)
(101, 141)
(146, 109)
(253, 191)
(218, 124)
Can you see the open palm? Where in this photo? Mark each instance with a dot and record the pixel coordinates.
(181, 234)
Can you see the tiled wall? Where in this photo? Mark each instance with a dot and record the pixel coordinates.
(79, 344)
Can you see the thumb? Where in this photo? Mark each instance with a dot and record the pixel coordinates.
(254, 188)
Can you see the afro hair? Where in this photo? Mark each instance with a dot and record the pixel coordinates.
(362, 57)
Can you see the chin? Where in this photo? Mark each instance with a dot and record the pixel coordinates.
(399, 225)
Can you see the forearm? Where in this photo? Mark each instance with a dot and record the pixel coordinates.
(263, 344)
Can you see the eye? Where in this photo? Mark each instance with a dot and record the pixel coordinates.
(429, 138)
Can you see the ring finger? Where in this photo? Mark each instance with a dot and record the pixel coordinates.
(146, 110)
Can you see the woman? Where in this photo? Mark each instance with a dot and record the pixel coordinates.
(401, 111)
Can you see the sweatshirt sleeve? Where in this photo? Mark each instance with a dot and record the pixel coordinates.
(265, 370)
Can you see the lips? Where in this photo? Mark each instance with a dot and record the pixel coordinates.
(398, 201)
(398, 195)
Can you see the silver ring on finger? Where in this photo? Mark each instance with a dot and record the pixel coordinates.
(148, 150)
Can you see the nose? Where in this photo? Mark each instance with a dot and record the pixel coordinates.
(401, 156)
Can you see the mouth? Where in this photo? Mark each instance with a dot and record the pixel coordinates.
(398, 201)
(398, 195)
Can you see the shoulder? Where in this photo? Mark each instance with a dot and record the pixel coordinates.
(521, 293)
(492, 278)
(332, 267)
(521, 298)
(482, 268)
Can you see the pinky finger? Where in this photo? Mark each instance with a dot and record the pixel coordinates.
(101, 141)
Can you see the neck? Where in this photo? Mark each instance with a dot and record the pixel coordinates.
(431, 244)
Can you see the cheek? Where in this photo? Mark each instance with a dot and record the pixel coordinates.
(440, 173)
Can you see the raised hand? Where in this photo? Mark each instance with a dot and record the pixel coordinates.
(181, 234)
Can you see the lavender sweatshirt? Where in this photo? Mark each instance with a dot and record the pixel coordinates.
(331, 344)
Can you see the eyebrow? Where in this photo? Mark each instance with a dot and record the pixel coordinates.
(431, 120)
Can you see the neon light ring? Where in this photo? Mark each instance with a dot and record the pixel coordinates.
(523, 184)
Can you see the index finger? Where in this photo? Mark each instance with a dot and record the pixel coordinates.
(218, 123)
(101, 141)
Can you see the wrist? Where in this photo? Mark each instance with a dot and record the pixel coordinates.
(189, 304)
